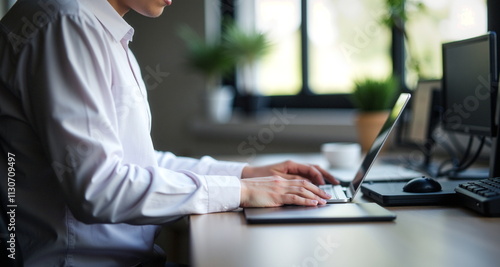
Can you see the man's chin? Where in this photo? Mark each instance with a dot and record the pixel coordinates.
(152, 13)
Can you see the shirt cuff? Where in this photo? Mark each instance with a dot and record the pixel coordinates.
(224, 193)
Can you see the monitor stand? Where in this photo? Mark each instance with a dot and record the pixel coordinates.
(495, 157)
(495, 142)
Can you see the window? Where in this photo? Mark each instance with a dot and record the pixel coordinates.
(443, 21)
(344, 41)
(280, 72)
(320, 47)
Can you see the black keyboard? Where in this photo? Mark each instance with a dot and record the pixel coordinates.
(482, 196)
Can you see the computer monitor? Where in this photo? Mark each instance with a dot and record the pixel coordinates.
(469, 91)
(469, 84)
(424, 115)
(422, 120)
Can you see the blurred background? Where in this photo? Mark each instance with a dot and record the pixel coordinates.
(316, 51)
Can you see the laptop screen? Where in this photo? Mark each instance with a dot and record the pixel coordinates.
(384, 133)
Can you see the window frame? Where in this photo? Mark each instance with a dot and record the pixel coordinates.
(305, 99)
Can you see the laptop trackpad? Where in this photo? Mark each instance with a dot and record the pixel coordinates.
(347, 212)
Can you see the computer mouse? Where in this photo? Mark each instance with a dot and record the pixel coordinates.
(422, 185)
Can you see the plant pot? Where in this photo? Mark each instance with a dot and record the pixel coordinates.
(368, 125)
(219, 104)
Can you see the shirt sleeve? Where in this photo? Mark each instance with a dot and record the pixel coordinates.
(68, 99)
(206, 165)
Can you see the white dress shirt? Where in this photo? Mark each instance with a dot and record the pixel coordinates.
(90, 189)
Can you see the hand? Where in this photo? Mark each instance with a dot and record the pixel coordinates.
(292, 171)
(276, 191)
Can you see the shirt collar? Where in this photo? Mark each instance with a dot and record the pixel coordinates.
(110, 19)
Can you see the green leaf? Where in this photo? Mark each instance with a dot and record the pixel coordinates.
(208, 58)
(245, 46)
(374, 95)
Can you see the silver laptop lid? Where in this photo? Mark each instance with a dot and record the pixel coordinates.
(377, 145)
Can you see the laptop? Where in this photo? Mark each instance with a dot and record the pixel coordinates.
(349, 211)
(346, 194)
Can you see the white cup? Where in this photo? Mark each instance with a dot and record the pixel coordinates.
(342, 155)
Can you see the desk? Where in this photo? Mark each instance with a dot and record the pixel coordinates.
(420, 236)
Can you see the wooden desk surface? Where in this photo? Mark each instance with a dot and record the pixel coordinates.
(420, 236)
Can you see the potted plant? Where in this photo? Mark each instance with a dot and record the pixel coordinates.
(373, 98)
(246, 48)
(212, 60)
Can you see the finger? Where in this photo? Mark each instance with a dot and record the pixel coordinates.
(294, 177)
(306, 171)
(313, 189)
(298, 200)
(326, 175)
(302, 191)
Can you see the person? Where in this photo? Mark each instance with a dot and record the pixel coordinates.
(84, 181)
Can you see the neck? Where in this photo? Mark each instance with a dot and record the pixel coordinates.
(118, 5)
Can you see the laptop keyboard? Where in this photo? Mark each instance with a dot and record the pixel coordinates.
(336, 191)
